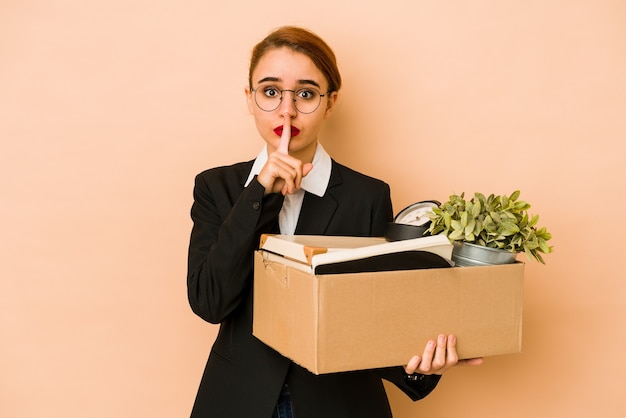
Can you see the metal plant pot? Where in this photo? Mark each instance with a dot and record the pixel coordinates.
(466, 254)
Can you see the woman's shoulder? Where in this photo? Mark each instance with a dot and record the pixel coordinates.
(226, 177)
(347, 174)
(237, 169)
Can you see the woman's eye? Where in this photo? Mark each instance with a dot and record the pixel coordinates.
(271, 92)
(306, 94)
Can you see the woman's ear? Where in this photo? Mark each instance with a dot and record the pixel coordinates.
(249, 99)
(330, 103)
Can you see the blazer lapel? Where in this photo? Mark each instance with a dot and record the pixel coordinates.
(316, 211)
(244, 172)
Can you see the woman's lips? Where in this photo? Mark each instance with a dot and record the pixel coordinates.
(279, 131)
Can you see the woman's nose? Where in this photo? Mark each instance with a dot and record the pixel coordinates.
(288, 103)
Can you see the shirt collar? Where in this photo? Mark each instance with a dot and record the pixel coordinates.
(315, 182)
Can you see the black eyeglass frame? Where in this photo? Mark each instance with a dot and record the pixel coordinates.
(294, 99)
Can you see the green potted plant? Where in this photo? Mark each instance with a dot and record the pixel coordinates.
(489, 230)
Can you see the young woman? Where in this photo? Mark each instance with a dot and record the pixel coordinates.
(293, 186)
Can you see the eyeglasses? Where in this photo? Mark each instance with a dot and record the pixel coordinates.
(306, 99)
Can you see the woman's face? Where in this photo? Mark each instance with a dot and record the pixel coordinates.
(285, 69)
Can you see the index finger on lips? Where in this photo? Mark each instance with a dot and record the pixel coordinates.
(283, 146)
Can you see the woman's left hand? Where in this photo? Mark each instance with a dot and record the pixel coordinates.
(438, 357)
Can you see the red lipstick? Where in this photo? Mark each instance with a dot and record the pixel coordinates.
(279, 131)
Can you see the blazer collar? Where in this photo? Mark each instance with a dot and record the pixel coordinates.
(244, 171)
(316, 211)
(315, 182)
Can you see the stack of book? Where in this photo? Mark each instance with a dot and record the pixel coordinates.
(341, 254)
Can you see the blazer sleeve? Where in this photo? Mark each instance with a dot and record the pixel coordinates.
(414, 389)
(383, 213)
(227, 224)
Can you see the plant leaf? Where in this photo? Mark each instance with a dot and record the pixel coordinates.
(457, 234)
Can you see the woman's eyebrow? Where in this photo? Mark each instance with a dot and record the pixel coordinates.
(300, 82)
(266, 79)
(311, 82)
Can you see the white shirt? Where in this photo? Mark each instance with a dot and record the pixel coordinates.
(315, 182)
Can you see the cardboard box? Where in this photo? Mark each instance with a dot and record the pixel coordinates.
(342, 322)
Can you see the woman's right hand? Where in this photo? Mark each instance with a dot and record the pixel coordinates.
(283, 173)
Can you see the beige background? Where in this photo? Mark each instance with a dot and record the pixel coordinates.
(109, 108)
